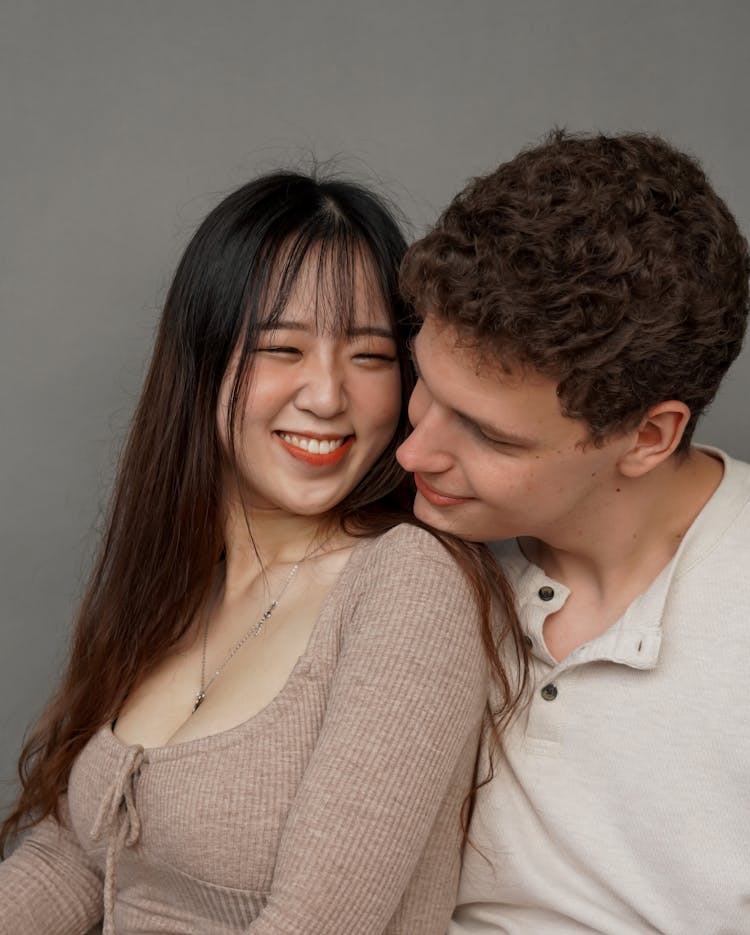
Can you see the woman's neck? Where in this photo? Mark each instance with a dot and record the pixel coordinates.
(256, 540)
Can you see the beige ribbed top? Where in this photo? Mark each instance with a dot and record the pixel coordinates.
(333, 811)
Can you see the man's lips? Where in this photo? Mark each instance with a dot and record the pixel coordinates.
(299, 447)
(435, 497)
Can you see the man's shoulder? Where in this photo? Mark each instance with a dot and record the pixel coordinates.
(728, 509)
(731, 464)
(735, 469)
(710, 567)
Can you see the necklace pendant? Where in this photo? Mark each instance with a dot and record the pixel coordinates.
(198, 701)
(253, 631)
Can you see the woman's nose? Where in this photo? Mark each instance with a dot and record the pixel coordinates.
(322, 391)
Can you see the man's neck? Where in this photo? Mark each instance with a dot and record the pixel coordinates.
(615, 555)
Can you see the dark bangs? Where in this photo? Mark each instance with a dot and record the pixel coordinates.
(344, 238)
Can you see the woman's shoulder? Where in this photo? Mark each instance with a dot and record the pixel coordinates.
(409, 594)
(407, 546)
(408, 537)
(408, 559)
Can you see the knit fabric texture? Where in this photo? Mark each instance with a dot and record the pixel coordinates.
(333, 811)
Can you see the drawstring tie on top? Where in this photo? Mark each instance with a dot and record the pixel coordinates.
(117, 820)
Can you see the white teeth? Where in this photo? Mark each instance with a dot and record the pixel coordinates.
(313, 445)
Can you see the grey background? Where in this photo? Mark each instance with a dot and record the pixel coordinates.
(123, 123)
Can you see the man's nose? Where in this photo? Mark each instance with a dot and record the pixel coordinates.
(425, 451)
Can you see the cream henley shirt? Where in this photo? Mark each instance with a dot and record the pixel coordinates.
(621, 799)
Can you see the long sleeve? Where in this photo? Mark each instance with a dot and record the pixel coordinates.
(402, 722)
(48, 886)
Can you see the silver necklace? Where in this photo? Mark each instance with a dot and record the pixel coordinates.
(253, 631)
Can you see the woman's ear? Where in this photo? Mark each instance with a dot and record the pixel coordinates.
(656, 438)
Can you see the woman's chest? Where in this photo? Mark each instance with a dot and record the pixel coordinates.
(213, 809)
(235, 669)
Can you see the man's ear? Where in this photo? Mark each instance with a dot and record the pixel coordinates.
(656, 438)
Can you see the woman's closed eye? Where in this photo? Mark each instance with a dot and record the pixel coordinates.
(373, 349)
(280, 350)
(374, 356)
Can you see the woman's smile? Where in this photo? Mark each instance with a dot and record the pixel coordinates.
(317, 450)
(322, 403)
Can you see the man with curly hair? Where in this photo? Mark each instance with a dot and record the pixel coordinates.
(580, 307)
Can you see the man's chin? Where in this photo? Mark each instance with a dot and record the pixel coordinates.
(445, 519)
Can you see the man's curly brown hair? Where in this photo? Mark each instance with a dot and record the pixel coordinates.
(608, 263)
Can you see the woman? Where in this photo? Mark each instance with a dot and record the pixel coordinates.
(270, 715)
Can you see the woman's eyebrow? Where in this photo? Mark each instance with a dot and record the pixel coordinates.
(287, 324)
(370, 330)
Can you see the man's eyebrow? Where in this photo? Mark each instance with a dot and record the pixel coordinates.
(492, 431)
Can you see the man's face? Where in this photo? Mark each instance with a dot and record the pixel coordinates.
(493, 455)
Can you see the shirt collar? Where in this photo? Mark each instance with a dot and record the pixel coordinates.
(635, 639)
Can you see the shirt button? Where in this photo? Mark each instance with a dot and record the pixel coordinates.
(546, 593)
(549, 692)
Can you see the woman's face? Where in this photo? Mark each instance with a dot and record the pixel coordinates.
(321, 406)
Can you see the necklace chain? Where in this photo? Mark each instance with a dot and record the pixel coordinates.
(249, 634)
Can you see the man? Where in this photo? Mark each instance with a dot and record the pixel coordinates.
(580, 307)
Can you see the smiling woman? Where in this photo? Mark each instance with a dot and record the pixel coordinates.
(310, 393)
(269, 719)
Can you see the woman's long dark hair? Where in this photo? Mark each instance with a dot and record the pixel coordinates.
(163, 535)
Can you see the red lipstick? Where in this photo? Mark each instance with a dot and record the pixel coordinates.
(318, 460)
